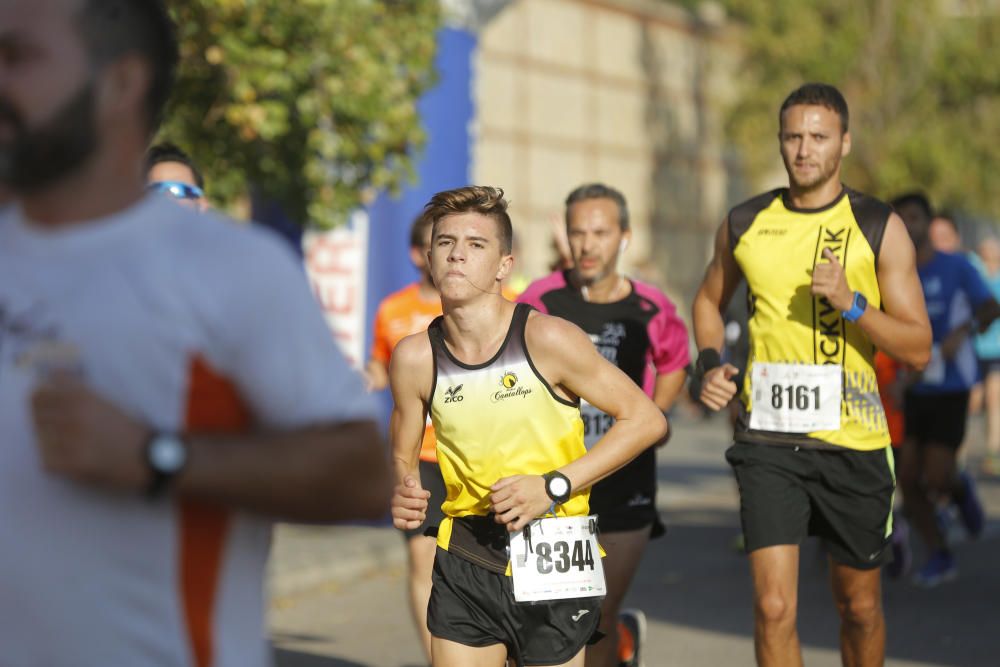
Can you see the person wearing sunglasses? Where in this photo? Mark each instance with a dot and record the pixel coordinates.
(171, 171)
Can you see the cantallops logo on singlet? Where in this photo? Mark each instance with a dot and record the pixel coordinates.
(829, 328)
(510, 388)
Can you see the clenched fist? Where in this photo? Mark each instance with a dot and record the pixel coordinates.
(828, 280)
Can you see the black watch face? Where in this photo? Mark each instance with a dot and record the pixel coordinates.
(862, 302)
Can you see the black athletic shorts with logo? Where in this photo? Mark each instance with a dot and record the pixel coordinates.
(936, 418)
(431, 480)
(474, 606)
(843, 496)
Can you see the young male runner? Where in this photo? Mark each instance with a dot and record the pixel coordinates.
(503, 386)
(636, 327)
(831, 276)
(168, 385)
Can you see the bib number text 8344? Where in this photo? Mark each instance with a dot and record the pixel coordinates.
(557, 555)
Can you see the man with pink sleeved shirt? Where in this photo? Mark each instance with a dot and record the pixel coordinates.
(636, 327)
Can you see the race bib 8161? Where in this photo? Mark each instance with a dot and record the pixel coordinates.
(795, 398)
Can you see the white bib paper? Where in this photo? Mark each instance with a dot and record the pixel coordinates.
(796, 398)
(557, 558)
(595, 423)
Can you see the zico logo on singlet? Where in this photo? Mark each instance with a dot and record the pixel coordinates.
(453, 394)
(510, 389)
(828, 337)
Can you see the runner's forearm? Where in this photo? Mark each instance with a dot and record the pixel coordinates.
(709, 327)
(626, 439)
(305, 475)
(907, 342)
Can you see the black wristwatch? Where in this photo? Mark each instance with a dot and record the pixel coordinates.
(557, 486)
(166, 455)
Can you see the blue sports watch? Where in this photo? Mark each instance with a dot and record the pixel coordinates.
(858, 307)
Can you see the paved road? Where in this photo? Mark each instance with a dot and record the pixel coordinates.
(693, 587)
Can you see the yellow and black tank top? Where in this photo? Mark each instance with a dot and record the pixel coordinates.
(776, 246)
(494, 420)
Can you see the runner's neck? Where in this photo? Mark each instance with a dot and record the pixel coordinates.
(612, 290)
(475, 331)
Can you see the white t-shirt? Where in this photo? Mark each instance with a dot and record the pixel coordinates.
(190, 323)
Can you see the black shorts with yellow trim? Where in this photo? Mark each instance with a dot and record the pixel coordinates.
(474, 606)
(841, 495)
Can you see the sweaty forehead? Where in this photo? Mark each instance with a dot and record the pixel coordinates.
(171, 171)
(466, 224)
(593, 214)
(809, 115)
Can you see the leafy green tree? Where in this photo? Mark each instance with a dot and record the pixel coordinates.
(310, 102)
(920, 76)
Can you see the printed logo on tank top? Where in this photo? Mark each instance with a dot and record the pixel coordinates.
(831, 327)
(454, 394)
(510, 388)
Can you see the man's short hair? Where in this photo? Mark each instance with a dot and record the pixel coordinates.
(600, 191)
(168, 152)
(114, 28)
(917, 199)
(418, 229)
(482, 199)
(820, 95)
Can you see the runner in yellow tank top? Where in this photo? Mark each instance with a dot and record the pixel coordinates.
(830, 276)
(503, 385)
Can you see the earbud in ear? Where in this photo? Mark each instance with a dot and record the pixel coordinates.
(622, 246)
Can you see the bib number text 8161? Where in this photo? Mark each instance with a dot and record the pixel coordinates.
(797, 397)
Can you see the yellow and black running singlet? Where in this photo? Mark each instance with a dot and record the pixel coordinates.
(495, 420)
(776, 247)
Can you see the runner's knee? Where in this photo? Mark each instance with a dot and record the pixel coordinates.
(775, 609)
(861, 609)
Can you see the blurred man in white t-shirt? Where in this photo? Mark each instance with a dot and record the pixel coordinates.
(168, 386)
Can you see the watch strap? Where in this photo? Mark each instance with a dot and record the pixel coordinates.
(555, 474)
(858, 306)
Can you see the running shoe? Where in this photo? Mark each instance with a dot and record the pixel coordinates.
(970, 509)
(945, 520)
(902, 555)
(631, 637)
(938, 569)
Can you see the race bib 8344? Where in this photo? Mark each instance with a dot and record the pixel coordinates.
(557, 558)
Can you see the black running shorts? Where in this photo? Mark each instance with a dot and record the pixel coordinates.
(473, 606)
(626, 499)
(843, 496)
(431, 480)
(936, 419)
